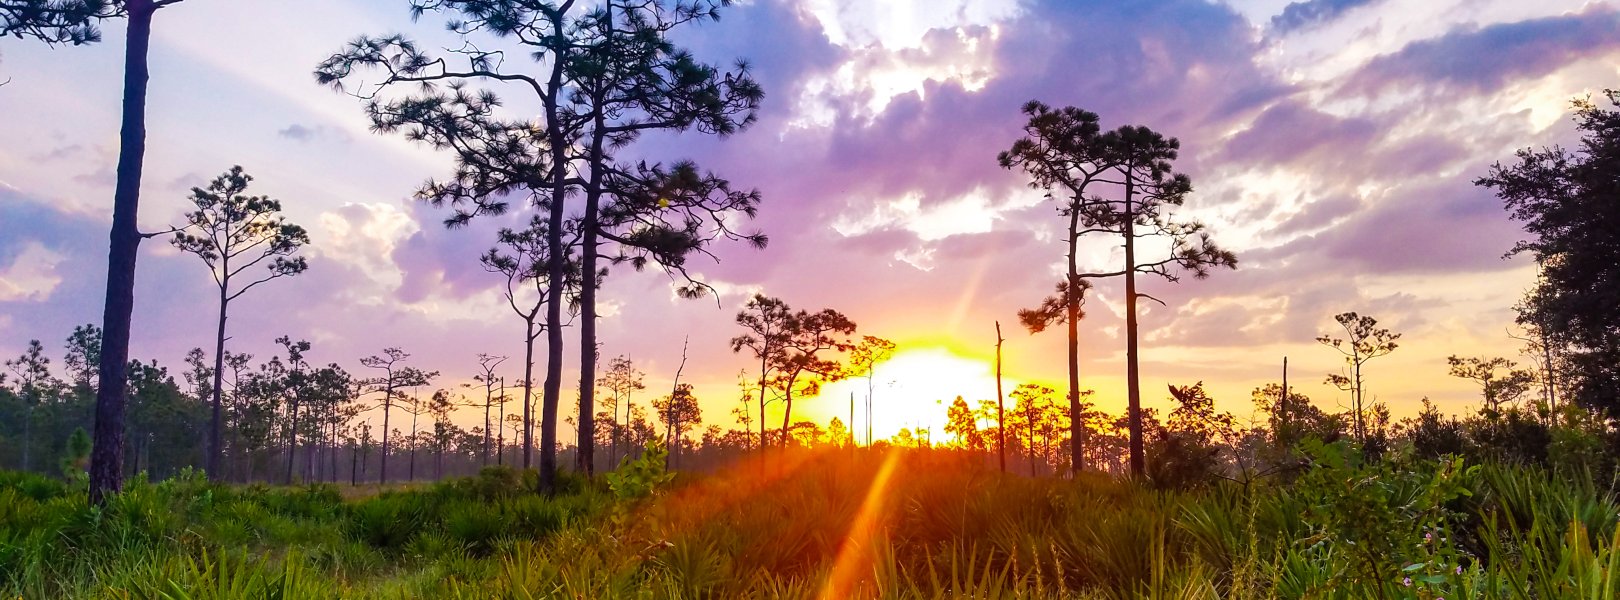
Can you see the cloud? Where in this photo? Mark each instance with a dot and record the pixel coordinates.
(305, 133)
(1485, 59)
(1308, 13)
(1332, 206)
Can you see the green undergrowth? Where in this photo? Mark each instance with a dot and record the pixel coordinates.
(917, 524)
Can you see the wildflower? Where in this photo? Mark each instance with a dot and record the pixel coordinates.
(1459, 569)
(1406, 582)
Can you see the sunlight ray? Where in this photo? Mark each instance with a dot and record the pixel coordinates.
(855, 555)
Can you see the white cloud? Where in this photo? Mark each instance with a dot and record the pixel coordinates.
(32, 276)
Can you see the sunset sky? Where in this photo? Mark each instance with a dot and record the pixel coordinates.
(1332, 144)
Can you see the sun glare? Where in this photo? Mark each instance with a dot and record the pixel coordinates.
(911, 391)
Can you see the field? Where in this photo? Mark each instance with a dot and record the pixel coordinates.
(830, 524)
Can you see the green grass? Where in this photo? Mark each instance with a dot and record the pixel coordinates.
(938, 525)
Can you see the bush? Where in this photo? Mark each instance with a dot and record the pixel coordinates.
(388, 521)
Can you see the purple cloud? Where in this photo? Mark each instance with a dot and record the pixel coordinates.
(1486, 59)
(1308, 13)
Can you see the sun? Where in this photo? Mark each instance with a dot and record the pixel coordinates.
(911, 390)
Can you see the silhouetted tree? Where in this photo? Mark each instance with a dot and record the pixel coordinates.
(257, 397)
(1302, 419)
(622, 380)
(632, 79)
(395, 376)
(1141, 161)
(496, 155)
(57, 21)
(310, 396)
(486, 375)
(83, 355)
(802, 365)
(863, 362)
(1364, 340)
(524, 258)
(680, 414)
(1190, 444)
(961, 423)
(32, 371)
(328, 394)
(1036, 422)
(768, 321)
(74, 22)
(1067, 154)
(295, 391)
(232, 232)
(602, 74)
(1497, 388)
(165, 425)
(1063, 155)
(1565, 198)
(443, 430)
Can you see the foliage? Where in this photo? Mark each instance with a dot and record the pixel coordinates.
(947, 525)
(1565, 199)
(640, 477)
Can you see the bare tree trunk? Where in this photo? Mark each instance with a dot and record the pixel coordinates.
(588, 283)
(500, 424)
(1077, 423)
(411, 471)
(1361, 419)
(28, 435)
(292, 440)
(107, 454)
(331, 452)
(528, 395)
(1132, 369)
(761, 402)
(555, 271)
(1282, 410)
(787, 413)
(216, 420)
(1001, 430)
(388, 405)
(487, 399)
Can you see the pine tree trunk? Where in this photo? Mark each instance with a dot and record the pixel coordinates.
(487, 400)
(528, 403)
(1077, 423)
(411, 471)
(1001, 436)
(107, 455)
(388, 405)
(761, 402)
(588, 282)
(1132, 369)
(28, 436)
(216, 420)
(292, 442)
(555, 271)
(787, 413)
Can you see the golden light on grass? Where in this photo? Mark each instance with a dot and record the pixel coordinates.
(855, 555)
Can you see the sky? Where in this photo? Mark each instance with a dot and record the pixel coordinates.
(1332, 145)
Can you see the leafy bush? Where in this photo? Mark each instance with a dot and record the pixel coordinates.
(639, 477)
(388, 521)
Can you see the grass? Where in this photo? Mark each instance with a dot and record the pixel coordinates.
(917, 524)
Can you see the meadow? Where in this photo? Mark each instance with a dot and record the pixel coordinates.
(831, 523)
